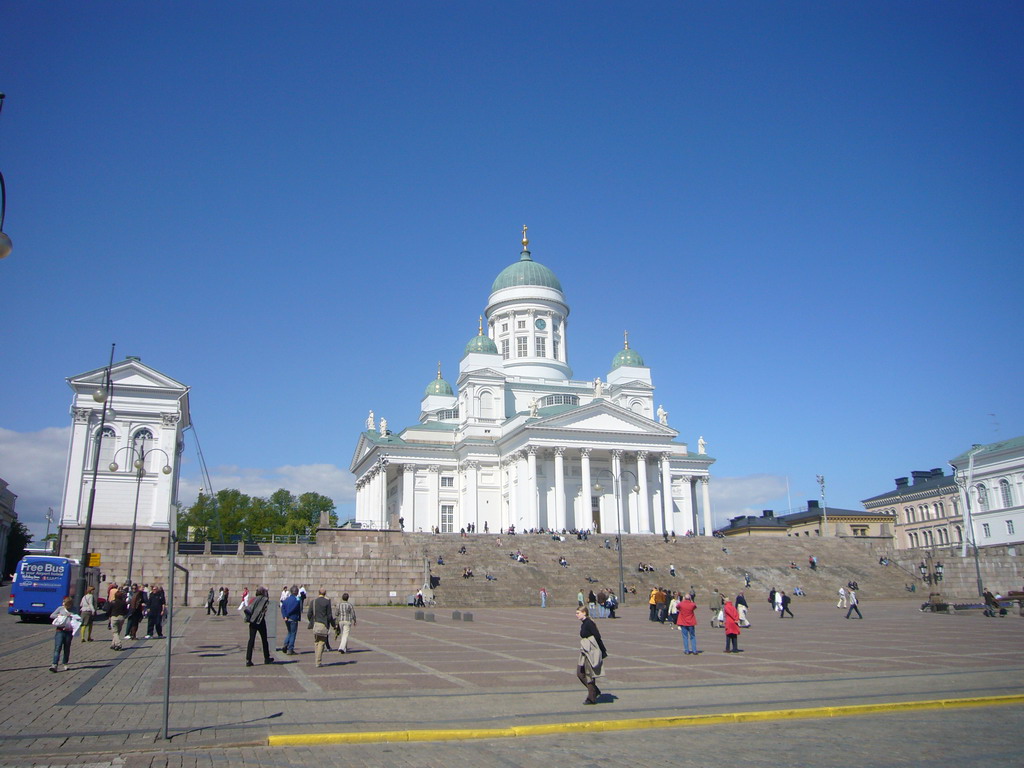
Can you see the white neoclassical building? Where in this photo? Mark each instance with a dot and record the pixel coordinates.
(136, 481)
(518, 442)
(991, 479)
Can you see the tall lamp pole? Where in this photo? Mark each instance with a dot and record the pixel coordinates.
(617, 493)
(139, 453)
(964, 478)
(824, 506)
(5, 241)
(105, 394)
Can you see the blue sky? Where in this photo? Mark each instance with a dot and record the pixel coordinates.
(807, 215)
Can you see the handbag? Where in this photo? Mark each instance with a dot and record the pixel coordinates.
(321, 629)
(61, 621)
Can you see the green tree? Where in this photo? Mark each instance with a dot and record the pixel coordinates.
(17, 540)
(235, 514)
(309, 508)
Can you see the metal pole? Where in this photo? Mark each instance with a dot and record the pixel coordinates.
(139, 471)
(109, 389)
(616, 485)
(172, 537)
(824, 506)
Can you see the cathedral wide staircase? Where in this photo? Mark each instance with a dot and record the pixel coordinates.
(701, 563)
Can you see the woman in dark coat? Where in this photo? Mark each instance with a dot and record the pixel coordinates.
(256, 616)
(592, 655)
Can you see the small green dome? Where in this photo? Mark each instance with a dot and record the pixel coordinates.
(484, 344)
(628, 357)
(439, 386)
(526, 271)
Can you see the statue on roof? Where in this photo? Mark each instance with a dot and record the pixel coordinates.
(383, 426)
(702, 447)
(662, 415)
(598, 387)
(533, 407)
(370, 422)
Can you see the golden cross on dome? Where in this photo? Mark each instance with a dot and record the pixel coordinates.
(525, 241)
(627, 338)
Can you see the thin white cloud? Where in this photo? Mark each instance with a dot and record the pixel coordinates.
(747, 495)
(326, 479)
(33, 465)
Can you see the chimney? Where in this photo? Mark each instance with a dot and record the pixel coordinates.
(901, 482)
(921, 476)
(767, 513)
(937, 472)
(812, 505)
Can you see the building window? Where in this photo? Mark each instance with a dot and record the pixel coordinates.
(554, 348)
(521, 345)
(107, 446)
(447, 517)
(1009, 527)
(986, 531)
(504, 327)
(910, 515)
(447, 481)
(520, 325)
(504, 349)
(859, 530)
(940, 509)
(1004, 490)
(982, 498)
(451, 413)
(959, 535)
(559, 400)
(541, 346)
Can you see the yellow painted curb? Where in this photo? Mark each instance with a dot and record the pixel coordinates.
(461, 734)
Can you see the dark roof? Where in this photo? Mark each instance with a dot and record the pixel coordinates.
(927, 483)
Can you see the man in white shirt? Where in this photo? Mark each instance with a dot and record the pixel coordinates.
(842, 598)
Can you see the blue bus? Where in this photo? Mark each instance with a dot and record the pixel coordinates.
(41, 582)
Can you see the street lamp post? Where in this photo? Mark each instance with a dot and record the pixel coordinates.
(104, 394)
(617, 493)
(964, 478)
(5, 241)
(824, 506)
(931, 574)
(139, 453)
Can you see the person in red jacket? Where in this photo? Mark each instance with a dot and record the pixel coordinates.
(686, 620)
(732, 627)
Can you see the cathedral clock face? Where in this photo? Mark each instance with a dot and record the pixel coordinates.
(540, 324)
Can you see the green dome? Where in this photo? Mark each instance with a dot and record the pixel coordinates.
(628, 357)
(439, 387)
(481, 343)
(526, 271)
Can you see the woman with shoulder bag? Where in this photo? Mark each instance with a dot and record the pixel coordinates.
(256, 616)
(321, 619)
(63, 625)
(592, 655)
(88, 609)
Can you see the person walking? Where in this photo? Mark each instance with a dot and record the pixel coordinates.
(592, 655)
(111, 592)
(842, 597)
(778, 602)
(321, 619)
(210, 598)
(118, 609)
(784, 602)
(88, 610)
(222, 602)
(686, 620)
(156, 609)
(291, 612)
(256, 617)
(732, 627)
(344, 619)
(63, 621)
(136, 609)
(543, 597)
(854, 605)
(715, 604)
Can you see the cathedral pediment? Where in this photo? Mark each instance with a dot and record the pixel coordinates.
(604, 416)
(128, 373)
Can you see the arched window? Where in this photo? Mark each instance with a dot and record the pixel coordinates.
(959, 535)
(982, 497)
(910, 515)
(107, 445)
(486, 405)
(1006, 493)
(142, 442)
(940, 510)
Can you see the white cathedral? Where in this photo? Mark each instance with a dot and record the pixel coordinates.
(519, 444)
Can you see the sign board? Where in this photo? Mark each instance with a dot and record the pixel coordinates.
(94, 559)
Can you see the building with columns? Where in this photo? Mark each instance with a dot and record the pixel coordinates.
(138, 470)
(518, 443)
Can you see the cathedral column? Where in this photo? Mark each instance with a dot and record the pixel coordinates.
(644, 505)
(512, 478)
(433, 511)
(559, 488)
(705, 482)
(531, 350)
(585, 520)
(689, 516)
(532, 517)
(471, 512)
(621, 522)
(667, 520)
(408, 499)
